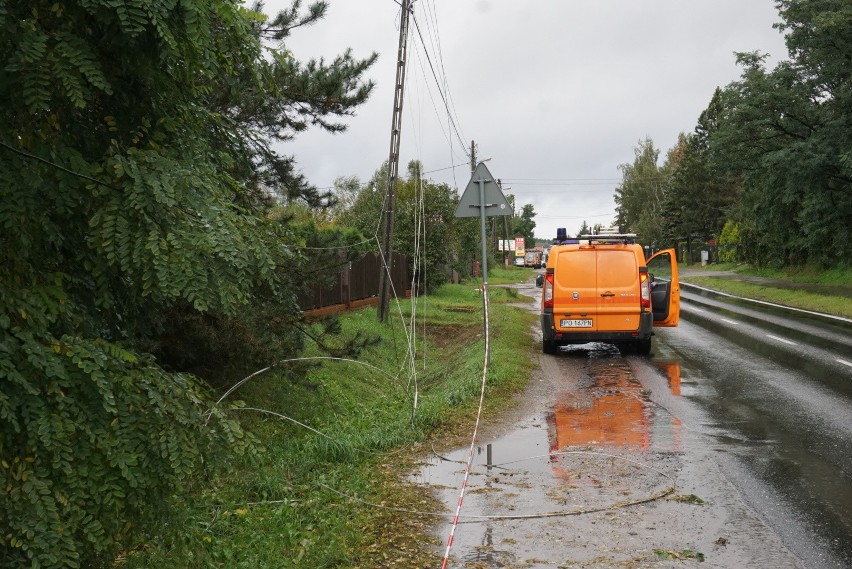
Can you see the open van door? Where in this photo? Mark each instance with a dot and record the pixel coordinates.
(665, 288)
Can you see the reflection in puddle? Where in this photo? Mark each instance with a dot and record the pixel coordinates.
(612, 412)
(671, 369)
(578, 455)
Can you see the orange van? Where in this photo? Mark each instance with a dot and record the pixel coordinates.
(600, 288)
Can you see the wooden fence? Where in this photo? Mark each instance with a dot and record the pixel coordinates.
(356, 285)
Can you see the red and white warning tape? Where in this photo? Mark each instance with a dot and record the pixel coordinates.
(445, 562)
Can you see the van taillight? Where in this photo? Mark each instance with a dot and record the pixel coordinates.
(547, 293)
(644, 288)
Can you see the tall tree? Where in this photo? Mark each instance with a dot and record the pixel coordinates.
(524, 225)
(698, 198)
(427, 231)
(136, 166)
(640, 197)
(787, 133)
(425, 227)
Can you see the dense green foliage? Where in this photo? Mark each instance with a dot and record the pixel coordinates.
(729, 241)
(523, 225)
(426, 229)
(771, 153)
(136, 174)
(639, 199)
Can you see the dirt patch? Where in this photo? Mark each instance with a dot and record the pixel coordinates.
(442, 336)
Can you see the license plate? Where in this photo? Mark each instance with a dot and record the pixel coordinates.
(575, 323)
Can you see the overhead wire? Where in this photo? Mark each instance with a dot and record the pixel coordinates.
(435, 38)
(438, 82)
(447, 168)
(419, 210)
(440, 54)
(447, 135)
(414, 112)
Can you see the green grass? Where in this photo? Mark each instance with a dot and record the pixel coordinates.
(273, 509)
(829, 304)
(841, 276)
(508, 275)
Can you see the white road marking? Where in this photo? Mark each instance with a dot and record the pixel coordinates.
(844, 362)
(730, 321)
(781, 340)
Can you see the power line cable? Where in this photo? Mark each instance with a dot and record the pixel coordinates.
(447, 136)
(465, 164)
(437, 81)
(436, 40)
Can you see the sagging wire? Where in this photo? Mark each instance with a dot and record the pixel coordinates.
(418, 262)
(308, 427)
(349, 246)
(432, 24)
(287, 418)
(385, 263)
(411, 344)
(409, 336)
(306, 358)
(588, 452)
(445, 459)
(479, 518)
(423, 257)
(437, 82)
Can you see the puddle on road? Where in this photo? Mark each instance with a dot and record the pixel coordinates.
(585, 450)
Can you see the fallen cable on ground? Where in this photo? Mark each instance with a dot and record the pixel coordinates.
(477, 518)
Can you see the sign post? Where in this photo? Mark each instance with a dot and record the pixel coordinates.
(482, 197)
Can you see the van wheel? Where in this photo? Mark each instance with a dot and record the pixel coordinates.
(548, 347)
(643, 347)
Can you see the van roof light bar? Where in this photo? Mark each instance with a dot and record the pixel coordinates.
(611, 238)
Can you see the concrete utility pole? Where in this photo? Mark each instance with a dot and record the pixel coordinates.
(473, 161)
(393, 167)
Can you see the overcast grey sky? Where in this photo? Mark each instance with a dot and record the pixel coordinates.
(557, 93)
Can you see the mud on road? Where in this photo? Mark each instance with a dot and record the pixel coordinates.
(593, 468)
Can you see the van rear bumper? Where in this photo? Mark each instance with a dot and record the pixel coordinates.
(550, 335)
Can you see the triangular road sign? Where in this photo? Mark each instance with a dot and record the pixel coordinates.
(495, 202)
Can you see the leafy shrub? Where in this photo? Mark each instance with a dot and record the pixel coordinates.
(729, 242)
(94, 439)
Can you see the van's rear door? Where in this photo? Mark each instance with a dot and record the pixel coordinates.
(665, 288)
(618, 289)
(575, 291)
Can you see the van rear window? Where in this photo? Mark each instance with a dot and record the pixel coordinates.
(617, 268)
(573, 262)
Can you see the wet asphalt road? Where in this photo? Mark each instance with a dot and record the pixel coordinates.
(747, 407)
(773, 388)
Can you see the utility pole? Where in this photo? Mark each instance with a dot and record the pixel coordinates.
(393, 167)
(472, 157)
